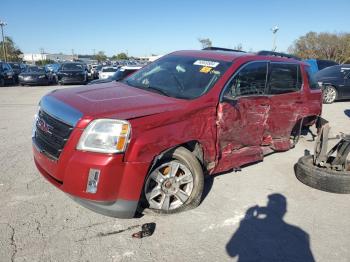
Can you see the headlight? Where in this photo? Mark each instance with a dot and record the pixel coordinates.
(105, 136)
(34, 122)
(42, 76)
(61, 73)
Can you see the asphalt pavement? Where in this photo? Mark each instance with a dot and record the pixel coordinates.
(258, 212)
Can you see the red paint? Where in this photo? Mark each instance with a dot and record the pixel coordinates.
(230, 135)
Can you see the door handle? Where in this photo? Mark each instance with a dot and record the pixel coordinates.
(299, 102)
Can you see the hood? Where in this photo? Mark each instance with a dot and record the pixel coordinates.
(115, 100)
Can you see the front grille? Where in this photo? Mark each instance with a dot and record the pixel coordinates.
(51, 134)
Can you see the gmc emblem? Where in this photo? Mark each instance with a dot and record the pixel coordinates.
(43, 126)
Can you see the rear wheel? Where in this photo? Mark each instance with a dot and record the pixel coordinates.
(329, 94)
(2, 82)
(175, 184)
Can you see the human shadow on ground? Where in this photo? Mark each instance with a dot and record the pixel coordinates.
(263, 235)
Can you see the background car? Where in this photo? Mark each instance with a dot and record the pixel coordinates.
(319, 64)
(107, 71)
(17, 69)
(72, 73)
(6, 74)
(335, 82)
(35, 75)
(120, 74)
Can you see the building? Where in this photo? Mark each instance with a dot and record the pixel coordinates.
(148, 58)
(34, 57)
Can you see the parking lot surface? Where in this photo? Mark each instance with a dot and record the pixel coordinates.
(40, 223)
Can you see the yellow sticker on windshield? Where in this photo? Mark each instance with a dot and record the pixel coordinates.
(205, 69)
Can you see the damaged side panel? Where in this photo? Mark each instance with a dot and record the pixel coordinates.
(242, 124)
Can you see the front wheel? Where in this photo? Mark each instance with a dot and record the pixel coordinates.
(329, 95)
(175, 184)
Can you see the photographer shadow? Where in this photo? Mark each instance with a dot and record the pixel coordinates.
(264, 236)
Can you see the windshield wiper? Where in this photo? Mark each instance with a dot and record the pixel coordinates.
(161, 91)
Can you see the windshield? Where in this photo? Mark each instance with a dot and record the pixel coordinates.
(109, 69)
(15, 66)
(35, 69)
(72, 66)
(179, 76)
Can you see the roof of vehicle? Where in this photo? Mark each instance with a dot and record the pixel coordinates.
(131, 67)
(228, 55)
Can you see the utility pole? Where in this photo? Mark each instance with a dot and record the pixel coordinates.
(42, 51)
(2, 24)
(274, 32)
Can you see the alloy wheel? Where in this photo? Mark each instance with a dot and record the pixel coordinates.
(169, 186)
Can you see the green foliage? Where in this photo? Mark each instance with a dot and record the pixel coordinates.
(100, 56)
(44, 62)
(324, 45)
(205, 42)
(13, 52)
(120, 56)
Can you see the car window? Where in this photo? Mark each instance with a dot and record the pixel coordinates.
(250, 80)
(7, 66)
(311, 78)
(333, 71)
(325, 63)
(284, 78)
(178, 76)
(72, 66)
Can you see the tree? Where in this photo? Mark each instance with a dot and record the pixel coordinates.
(100, 56)
(12, 51)
(323, 45)
(120, 56)
(205, 42)
(238, 47)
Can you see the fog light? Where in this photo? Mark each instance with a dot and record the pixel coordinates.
(94, 175)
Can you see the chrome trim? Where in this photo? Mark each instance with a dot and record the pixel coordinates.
(60, 110)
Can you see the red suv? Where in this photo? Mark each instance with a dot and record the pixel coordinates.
(148, 140)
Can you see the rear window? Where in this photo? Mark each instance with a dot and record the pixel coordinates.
(311, 78)
(284, 78)
(72, 67)
(325, 63)
(333, 71)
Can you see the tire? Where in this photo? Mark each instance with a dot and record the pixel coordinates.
(330, 94)
(2, 82)
(185, 162)
(322, 178)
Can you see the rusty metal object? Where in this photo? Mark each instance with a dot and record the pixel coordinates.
(336, 158)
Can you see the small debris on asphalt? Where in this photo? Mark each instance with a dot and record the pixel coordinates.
(147, 230)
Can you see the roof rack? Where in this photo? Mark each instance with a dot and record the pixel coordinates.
(213, 48)
(272, 53)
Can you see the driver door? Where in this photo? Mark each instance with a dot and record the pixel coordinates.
(242, 117)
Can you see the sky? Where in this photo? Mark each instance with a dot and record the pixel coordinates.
(142, 28)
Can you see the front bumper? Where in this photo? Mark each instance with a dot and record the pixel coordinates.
(120, 183)
(33, 81)
(80, 79)
(119, 208)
